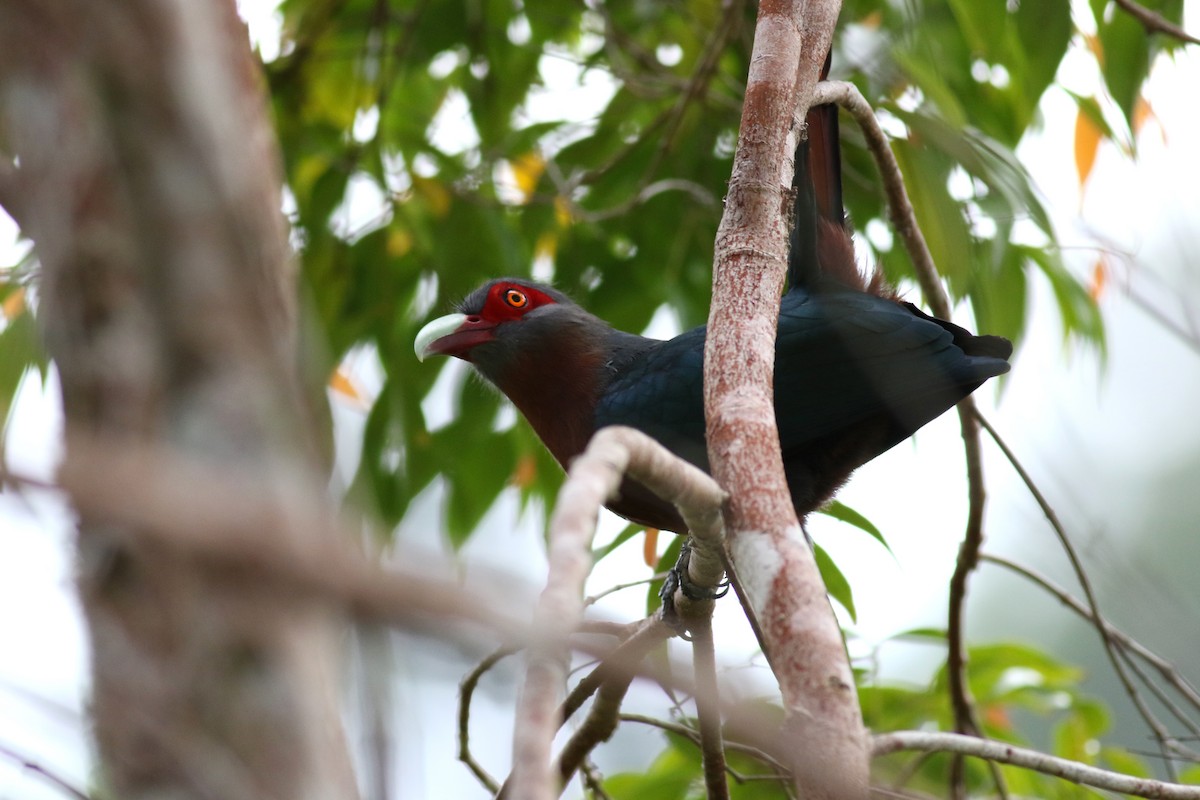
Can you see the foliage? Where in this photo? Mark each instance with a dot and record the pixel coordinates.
(425, 153)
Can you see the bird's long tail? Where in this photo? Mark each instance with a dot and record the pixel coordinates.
(820, 241)
(817, 189)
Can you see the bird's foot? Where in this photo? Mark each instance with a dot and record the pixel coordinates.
(677, 579)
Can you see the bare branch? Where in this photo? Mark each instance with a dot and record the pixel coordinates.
(900, 209)
(1004, 753)
(466, 690)
(222, 517)
(779, 579)
(597, 727)
(62, 784)
(593, 479)
(611, 677)
(595, 598)
(694, 736)
(1165, 668)
(1163, 736)
(708, 710)
(1154, 22)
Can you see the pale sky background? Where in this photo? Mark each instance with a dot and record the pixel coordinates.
(1093, 436)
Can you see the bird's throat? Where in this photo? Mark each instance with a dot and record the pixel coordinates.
(556, 391)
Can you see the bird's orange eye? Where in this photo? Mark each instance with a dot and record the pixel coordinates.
(516, 298)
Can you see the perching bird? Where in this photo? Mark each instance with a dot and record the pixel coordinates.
(856, 370)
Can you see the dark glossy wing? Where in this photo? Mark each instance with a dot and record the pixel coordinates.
(657, 388)
(661, 392)
(855, 374)
(847, 357)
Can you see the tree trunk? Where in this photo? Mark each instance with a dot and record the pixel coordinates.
(141, 162)
(825, 740)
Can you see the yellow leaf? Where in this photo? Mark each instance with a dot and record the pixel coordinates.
(1096, 46)
(547, 245)
(1099, 278)
(650, 548)
(525, 472)
(435, 194)
(399, 242)
(1087, 142)
(14, 305)
(527, 171)
(342, 384)
(562, 212)
(873, 20)
(1143, 112)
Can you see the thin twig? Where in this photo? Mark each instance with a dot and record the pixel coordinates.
(900, 209)
(692, 735)
(597, 727)
(49, 775)
(593, 780)
(1165, 668)
(593, 599)
(466, 690)
(708, 709)
(1165, 740)
(1154, 22)
(1167, 701)
(624, 659)
(1004, 753)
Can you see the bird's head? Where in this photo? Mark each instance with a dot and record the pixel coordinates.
(497, 322)
(535, 345)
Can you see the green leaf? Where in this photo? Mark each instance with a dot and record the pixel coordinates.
(669, 777)
(999, 296)
(20, 351)
(835, 582)
(1125, 61)
(1080, 314)
(926, 172)
(631, 530)
(840, 511)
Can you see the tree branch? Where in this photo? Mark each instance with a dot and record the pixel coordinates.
(62, 784)
(594, 477)
(1004, 753)
(708, 710)
(149, 183)
(597, 727)
(466, 690)
(625, 658)
(1154, 22)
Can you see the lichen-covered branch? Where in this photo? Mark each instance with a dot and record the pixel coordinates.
(778, 575)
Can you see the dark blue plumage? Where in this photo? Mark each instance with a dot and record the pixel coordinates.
(856, 370)
(855, 374)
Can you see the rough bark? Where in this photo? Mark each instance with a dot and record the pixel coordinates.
(775, 566)
(152, 193)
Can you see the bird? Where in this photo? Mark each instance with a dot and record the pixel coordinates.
(857, 369)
